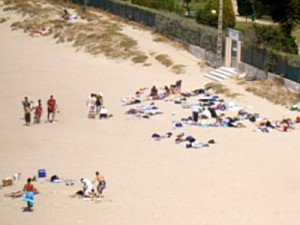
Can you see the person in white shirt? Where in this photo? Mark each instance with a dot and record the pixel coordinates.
(103, 113)
(87, 186)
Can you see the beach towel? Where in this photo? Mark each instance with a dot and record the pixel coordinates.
(29, 197)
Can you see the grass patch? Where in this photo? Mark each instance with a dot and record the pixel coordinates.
(139, 59)
(93, 35)
(178, 69)
(164, 60)
(273, 91)
(2, 20)
(243, 26)
(219, 88)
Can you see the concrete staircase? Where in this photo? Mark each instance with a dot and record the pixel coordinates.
(221, 74)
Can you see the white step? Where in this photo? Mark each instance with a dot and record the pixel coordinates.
(220, 74)
(211, 77)
(229, 70)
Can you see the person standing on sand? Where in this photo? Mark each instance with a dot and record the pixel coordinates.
(51, 109)
(38, 111)
(25, 104)
(27, 111)
(29, 190)
(101, 183)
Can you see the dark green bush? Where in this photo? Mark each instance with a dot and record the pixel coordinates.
(244, 7)
(272, 37)
(168, 5)
(206, 17)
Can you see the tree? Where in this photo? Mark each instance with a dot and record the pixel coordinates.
(272, 38)
(206, 17)
(286, 13)
(186, 5)
(245, 7)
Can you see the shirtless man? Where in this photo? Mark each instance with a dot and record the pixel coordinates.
(101, 183)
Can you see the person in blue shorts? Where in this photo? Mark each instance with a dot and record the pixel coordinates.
(101, 183)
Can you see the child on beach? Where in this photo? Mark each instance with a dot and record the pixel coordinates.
(38, 111)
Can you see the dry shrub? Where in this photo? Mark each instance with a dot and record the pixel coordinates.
(241, 82)
(94, 35)
(219, 88)
(2, 20)
(178, 69)
(273, 91)
(139, 59)
(127, 42)
(164, 59)
(164, 39)
(233, 95)
(158, 39)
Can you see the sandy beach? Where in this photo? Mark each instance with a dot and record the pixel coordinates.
(246, 178)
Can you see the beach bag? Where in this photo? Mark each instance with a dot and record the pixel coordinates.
(54, 178)
(252, 118)
(190, 139)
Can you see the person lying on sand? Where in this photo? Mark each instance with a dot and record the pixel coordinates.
(66, 15)
(17, 194)
(81, 194)
(36, 32)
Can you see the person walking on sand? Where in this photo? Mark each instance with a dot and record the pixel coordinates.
(27, 111)
(38, 111)
(25, 104)
(101, 183)
(51, 109)
(29, 190)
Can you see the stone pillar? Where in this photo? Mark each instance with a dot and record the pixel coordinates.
(228, 49)
(239, 52)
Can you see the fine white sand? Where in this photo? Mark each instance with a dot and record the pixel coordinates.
(246, 178)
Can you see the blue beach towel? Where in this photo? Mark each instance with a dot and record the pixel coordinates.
(29, 198)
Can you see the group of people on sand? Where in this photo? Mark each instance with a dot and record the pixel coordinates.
(87, 189)
(173, 89)
(42, 30)
(37, 109)
(155, 93)
(209, 110)
(96, 107)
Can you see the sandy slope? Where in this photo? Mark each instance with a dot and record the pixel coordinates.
(245, 178)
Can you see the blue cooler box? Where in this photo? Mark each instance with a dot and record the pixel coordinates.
(42, 173)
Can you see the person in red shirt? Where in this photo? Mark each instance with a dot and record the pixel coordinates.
(38, 112)
(51, 109)
(29, 190)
